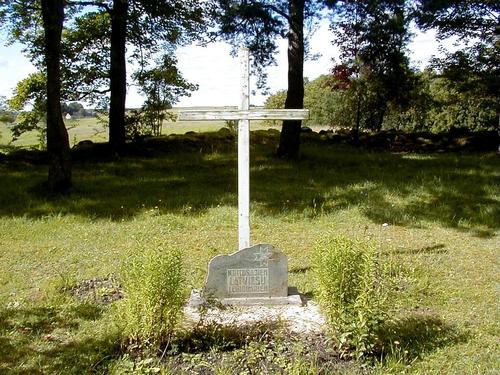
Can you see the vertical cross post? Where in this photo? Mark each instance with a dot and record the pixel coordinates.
(244, 114)
(244, 156)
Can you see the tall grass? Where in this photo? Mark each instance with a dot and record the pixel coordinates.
(153, 285)
(351, 291)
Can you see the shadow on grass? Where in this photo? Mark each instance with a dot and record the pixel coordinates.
(300, 270)
(199, 172)
(213, 336)
(45, 340)
(433, 249)
(412, 337)
(253, 348)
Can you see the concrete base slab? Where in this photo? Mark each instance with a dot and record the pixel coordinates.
(196, 300)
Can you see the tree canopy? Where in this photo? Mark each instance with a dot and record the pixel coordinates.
(473, 69)
(95, 38)
(257, 25)
(372, 37)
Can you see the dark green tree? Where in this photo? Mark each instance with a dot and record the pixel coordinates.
(86, 58)
(372, 37)
(145, 28)
(452, 107)
(434, 104)
(162, 84)
(258, 25)
(74, 108)
(95, 43)
(474, 69)
(326, 106)
(59, 179)
(49, 15)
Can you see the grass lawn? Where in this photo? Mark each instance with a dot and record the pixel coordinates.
(441, 241)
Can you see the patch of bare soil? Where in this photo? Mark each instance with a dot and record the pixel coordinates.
(98, 290)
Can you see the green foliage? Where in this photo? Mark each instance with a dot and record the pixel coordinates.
(6, 116)
(154, 28)
(453, 107)
(351, 291)
(153, 285)
(466, 18)
(469, 87)
(30, 91)
(22, 21)
(147, 121)
(319, 97)
(134, 127)
(86, 58)
(162, 84)
(76, 110)
(373, 87)
(275, 101)
(372, 37)
(438, 104)
(435, 103)
(326, 106)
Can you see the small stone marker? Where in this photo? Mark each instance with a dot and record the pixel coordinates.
(251, 276)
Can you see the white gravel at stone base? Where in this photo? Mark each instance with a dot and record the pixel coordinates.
(299, 319)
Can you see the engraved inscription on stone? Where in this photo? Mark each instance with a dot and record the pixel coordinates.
(248, 280)
(255, 272)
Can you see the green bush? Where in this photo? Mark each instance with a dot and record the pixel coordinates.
(153, 287)
(351, 292)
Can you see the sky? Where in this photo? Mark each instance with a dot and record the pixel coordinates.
(216, 72)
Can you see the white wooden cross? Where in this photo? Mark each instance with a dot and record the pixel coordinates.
(244, 114)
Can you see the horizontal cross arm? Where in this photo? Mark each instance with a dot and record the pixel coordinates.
(253, 114)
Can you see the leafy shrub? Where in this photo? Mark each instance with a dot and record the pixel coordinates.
(146, 121)
(352, 292)
(154, 294)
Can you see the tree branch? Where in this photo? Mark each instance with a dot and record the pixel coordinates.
(27, 6)
(83, 94)
(93, 3)
(276, 10)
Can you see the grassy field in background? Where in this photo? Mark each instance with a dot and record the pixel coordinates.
(434, 218)
(92, 129)
(95, 130)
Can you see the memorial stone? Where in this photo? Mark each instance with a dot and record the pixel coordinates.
(254, 275)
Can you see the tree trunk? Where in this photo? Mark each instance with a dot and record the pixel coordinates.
(380, 113)
(59, 179)
(290, 131)
(358, 118)
(118, 75)
(380, 119)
